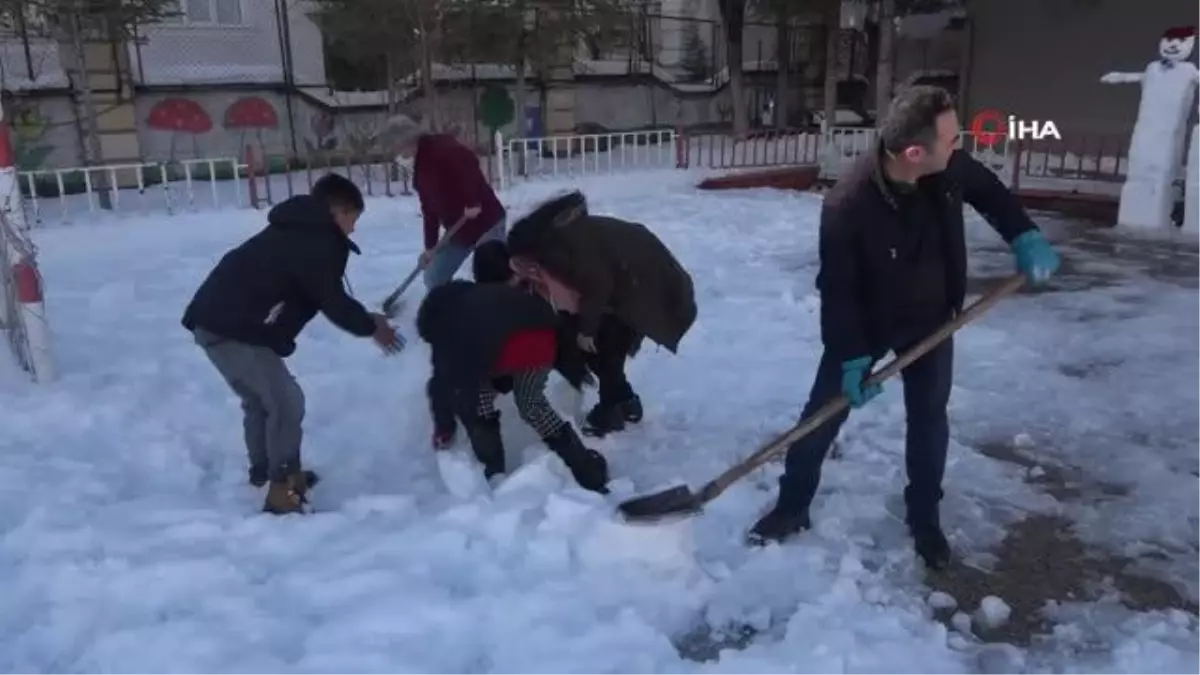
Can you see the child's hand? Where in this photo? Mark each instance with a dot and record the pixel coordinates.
(389, 339)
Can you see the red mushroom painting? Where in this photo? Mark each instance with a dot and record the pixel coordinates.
(180, 115)
(251, 113)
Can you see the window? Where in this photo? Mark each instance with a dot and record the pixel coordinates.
(207, 13)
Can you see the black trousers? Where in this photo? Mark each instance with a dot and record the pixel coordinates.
(614, 343)
(927, 385)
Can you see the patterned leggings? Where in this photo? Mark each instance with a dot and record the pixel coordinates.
(529, 391)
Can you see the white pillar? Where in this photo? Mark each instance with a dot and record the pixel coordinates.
(1191, 188)
(25, 276)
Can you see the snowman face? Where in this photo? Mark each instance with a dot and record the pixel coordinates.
(1176, 49)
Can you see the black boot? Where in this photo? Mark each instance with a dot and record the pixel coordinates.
(929, 541)
(779, 524)
(589, 467)
(607, 417)
(484, 434)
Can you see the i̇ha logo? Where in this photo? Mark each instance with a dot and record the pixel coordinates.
(990, 127)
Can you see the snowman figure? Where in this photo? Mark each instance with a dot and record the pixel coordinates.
(1155, 151)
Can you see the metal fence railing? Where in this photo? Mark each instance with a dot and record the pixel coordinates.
(258, 180)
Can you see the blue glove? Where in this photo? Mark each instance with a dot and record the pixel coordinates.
(1036, 258)
(854, 372)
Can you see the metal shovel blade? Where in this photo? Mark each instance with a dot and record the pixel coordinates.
(672, 501)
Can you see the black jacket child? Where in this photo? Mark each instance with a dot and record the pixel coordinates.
(468, 327)
(466, 324)
(267, 289)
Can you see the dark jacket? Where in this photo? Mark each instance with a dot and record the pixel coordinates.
(267, 289)
(448, 180)
(864, 241)
(618, 267)
(466, 325)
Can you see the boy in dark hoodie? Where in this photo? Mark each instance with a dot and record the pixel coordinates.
(492, 336)
(249, 311)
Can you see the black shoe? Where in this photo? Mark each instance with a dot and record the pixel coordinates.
(606, 418)
(258, 477)
(632, 409)
(778, 525)
(484, 434)
(589, 467)
(931, 545)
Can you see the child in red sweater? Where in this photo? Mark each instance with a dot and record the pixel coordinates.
(493, 336)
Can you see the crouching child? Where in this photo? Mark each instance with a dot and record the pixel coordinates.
(486, 337)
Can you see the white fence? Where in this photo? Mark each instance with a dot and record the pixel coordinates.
(76, 194)
(84, 194)
(569, 156)
(583, 154)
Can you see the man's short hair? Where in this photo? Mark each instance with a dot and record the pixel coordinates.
(401, 130)
(338, 191)
(912, 117)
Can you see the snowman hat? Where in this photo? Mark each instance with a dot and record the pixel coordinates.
(1179, 33)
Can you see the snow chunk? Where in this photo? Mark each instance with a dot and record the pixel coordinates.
(961, 622)
(940, 600)
(993, 612)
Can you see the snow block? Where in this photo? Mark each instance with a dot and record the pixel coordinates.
(461, 473)
(613, 542)
(799, 178)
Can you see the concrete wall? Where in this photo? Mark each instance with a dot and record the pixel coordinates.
(315, 128)
(44, 131)
(1043, 61)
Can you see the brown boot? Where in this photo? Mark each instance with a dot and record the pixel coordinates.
(287, 496)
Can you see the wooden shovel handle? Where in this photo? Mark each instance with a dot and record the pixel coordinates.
(441, 243)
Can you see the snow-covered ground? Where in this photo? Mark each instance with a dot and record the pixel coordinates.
(129, 540)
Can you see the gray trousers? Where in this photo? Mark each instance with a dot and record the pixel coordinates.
(272, 402)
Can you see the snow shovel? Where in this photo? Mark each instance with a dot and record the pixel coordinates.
(681, 500)
(391, 304)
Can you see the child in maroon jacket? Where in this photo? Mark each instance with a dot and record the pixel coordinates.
(450, 185)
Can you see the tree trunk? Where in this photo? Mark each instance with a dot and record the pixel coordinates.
(393, 102)
(833, 29)
(884, 72)
(431, 94)
(741, 119)
(783, 55)
(520, 101)
(94, 155)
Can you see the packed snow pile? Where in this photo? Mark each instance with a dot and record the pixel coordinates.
(130, 540)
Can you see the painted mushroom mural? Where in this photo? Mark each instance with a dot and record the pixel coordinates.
(180, 115)
(251, 113)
